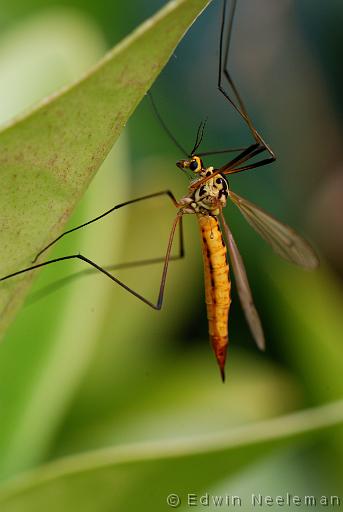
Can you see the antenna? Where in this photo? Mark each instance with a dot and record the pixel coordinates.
(200, 136)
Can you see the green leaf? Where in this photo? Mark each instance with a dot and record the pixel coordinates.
(54, 340)
(141, 476)
(49, 156)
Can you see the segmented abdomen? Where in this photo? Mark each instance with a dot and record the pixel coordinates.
(217, 285)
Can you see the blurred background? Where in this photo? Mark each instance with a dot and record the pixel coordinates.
(86, 365)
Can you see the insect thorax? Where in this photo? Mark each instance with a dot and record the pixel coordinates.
(211, 196)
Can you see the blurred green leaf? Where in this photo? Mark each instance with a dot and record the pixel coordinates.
(143, 475)
(175, 396)
(311, 327)
(49, 156)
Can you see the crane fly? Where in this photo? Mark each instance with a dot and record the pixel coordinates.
(207, 195)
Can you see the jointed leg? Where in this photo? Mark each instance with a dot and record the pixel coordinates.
(233, 166)
(223, 72)
(143, 198)
(221, 151)
(52, 287)
(159, 302)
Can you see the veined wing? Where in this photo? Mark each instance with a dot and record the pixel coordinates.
(243, 288)
(283, 239)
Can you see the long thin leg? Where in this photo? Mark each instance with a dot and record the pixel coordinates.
(52, 287)
(159, 301)
(222, 68)
(223, 71)
(221, 151)
(143, 198)
(260, 163)
(231, 166)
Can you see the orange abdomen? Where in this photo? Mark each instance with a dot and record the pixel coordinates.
(217, 285)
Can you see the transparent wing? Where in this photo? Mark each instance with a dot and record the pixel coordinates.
(243, 288)
(283, 239)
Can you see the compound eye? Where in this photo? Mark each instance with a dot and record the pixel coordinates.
(193, 165)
